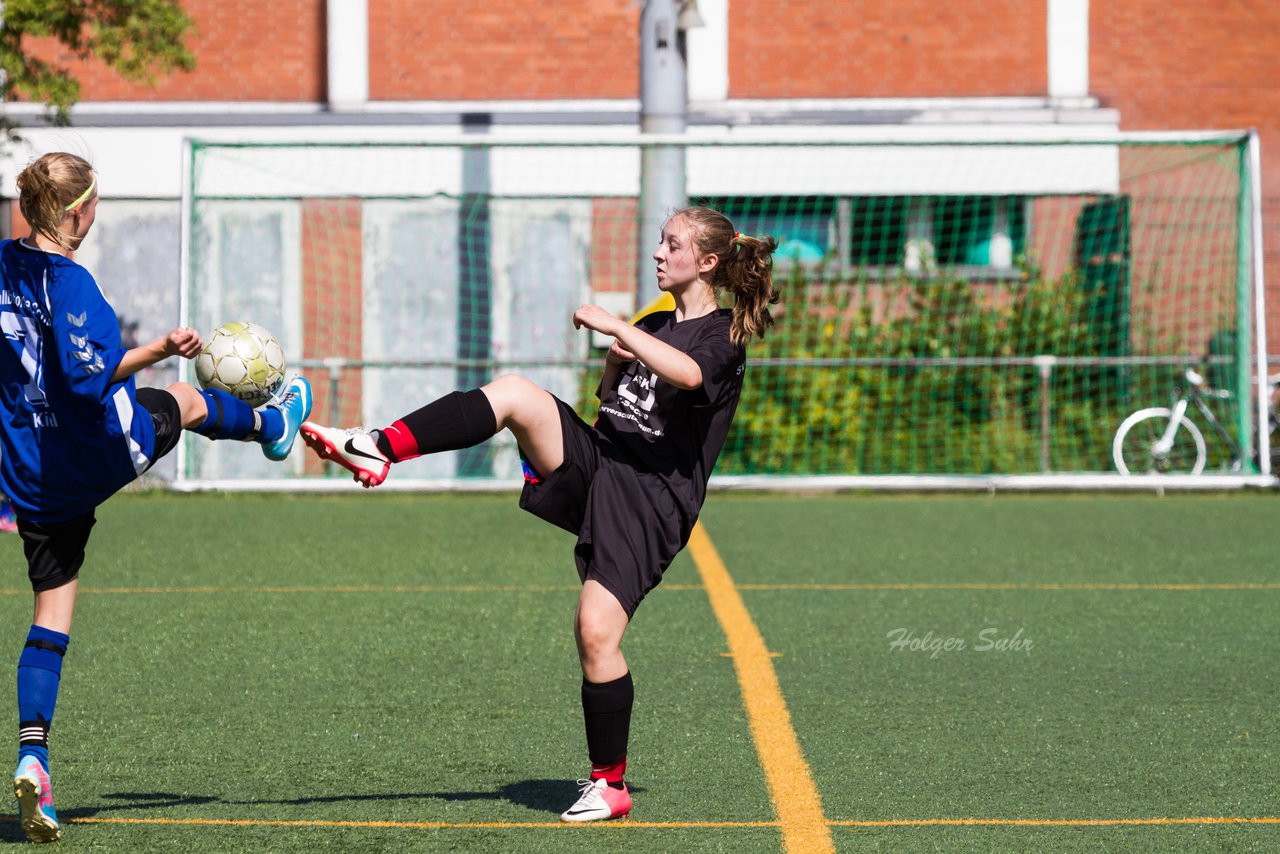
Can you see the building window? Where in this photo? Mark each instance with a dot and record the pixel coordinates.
(916, 233)
(978, 231)
(877, 230)
(804, 226)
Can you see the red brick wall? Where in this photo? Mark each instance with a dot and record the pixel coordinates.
(1175, 64)
(1183, 239)
(522, 49)
(1271, 251)
(18, 226)
(245, 50)
(613, 244)
(904, 48)
(1185, 64)
(1163, 64)
(331, 282)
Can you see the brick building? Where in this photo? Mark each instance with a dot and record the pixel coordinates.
(386, 69)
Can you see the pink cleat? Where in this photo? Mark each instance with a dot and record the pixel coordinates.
(599, 802)
(352, 449)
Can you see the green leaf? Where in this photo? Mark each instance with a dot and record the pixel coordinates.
(139, 39)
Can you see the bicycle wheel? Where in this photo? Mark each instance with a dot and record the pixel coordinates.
(1134, 447)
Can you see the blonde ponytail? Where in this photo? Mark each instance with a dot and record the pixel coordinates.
(49, 188)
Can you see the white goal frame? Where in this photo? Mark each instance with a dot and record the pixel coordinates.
(931, 144)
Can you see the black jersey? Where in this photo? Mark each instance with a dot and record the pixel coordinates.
(675, 433)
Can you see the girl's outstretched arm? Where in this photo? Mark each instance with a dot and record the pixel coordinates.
(184, 342)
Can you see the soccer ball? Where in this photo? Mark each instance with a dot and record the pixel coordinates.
(244, 360)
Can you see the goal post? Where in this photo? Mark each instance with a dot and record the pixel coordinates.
(961, 312)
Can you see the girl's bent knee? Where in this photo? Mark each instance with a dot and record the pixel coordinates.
(509, 387)
(190, 403)
(596, 639)
(514, 399)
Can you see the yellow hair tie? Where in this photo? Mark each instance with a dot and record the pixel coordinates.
(93, 182)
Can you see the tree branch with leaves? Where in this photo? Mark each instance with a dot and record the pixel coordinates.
(139, 39)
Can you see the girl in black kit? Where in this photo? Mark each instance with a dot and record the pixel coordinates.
(630, 487)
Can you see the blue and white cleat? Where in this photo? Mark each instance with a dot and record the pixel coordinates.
(294, 405)
(34, 792)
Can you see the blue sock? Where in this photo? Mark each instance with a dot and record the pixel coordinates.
(39, 672)
(272, 424)
(228, 416)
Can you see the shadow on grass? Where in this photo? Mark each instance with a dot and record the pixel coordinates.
(548, 796)
(11, 831)
(136, 801)
(538, 795)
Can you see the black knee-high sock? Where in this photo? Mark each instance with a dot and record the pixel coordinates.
(606, 708)
(458, 420)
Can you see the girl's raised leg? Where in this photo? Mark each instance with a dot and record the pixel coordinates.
(457, 420)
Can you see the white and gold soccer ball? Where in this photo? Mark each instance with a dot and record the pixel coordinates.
(243, 359)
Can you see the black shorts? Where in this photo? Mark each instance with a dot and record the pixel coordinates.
(166, 415)
(55, 550)
(626, 520)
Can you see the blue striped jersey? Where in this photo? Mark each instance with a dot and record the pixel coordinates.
(69, 436)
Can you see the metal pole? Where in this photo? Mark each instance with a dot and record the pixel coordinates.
(1244, 307)
(1045, 365)
(475, 279)
(664, 109)
(1259, 303)
(185, 284)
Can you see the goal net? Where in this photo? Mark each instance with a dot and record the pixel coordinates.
(951, 309)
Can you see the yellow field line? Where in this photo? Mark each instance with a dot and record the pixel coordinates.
(336, 588)
(562, 588)
(341, 588)
(795, 797)
(427, 825)
(1053, 822)
(680, 825)
(979, 585)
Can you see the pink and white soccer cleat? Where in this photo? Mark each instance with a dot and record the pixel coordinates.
(352, 449)
(599, 802)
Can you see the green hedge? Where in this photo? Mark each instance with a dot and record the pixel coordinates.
(800, 417)
(810, 407)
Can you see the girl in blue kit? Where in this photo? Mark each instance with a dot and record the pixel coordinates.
(74, 429)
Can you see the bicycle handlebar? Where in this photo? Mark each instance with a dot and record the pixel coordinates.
(1198, 381)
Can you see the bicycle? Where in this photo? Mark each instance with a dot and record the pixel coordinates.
(1164, 440)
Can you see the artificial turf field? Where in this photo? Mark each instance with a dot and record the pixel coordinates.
(393, 672)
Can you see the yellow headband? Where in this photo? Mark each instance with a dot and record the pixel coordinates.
(86, 194)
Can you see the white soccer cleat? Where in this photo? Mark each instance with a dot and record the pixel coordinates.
(599, 802)
(353, 449)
